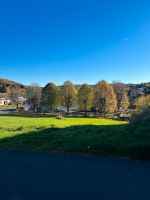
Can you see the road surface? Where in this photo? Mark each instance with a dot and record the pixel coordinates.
(42, 176)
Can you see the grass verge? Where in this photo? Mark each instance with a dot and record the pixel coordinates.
(76, 135)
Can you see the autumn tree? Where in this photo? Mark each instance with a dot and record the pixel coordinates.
(15, 94)
(104, 98)
(50, 96)
(142, 111)
(69, 95)
(124, 103)
(33, 96)
(143, 103)
(121, 95)
(85, 98)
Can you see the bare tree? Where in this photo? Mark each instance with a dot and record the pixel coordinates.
(34, 96)
(121, 95)
(15, 95)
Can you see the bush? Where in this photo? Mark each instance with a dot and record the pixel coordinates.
(21, 109)
(143, 103)
(140, 116)
(20, 128)
(59, 117)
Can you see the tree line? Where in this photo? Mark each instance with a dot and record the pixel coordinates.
(103, 98)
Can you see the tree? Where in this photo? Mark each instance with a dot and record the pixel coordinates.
(121, 95)
(124, 103)
(104, 98)
(15, 95)
(34, 96)
(69, 95)
(142, 111)
(50, 96)
(143, 103)
(85, 98)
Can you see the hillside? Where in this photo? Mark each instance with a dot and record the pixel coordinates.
(6, 85)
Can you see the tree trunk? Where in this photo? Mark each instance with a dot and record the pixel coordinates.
(85, 111)
(17, 104)
(68, 110)
(51, 109)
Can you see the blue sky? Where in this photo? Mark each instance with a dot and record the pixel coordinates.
(80, 40)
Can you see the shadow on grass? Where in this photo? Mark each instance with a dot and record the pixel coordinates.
(128, 140)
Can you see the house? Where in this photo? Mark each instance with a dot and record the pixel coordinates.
(136, 92)
(27, 106)
(4, 99)
(22, 100)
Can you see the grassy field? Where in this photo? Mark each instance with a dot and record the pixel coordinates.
(76, 135)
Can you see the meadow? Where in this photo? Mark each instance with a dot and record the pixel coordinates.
(76, 135)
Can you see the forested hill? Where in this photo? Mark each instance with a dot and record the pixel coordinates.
(6, 85)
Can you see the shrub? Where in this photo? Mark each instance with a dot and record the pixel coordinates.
(21, 109)
(143, 103)
(140, 116)
(59, 117)
(20, 128)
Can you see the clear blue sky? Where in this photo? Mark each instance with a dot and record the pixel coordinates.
(79, 40)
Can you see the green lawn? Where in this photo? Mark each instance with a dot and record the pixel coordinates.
(76, 135)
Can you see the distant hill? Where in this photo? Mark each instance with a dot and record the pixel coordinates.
(6, 85)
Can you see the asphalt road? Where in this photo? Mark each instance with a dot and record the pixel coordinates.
(42, 176)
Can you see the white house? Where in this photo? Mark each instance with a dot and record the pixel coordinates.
(27, 106)
(4, 99)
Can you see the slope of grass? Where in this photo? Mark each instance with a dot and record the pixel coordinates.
(11, 126)
(76, 135)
